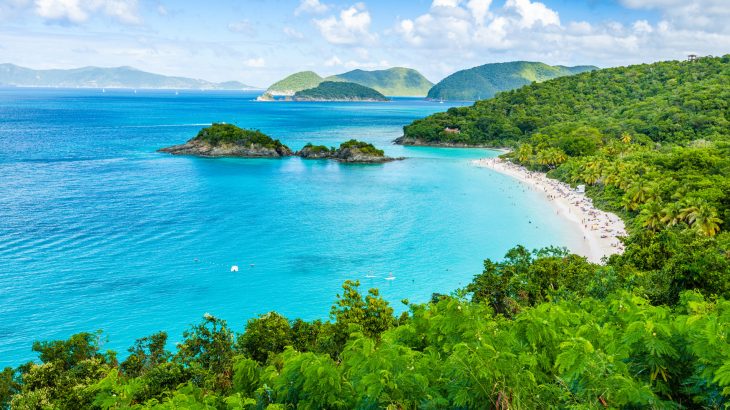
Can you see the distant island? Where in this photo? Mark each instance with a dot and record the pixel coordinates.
(339, 91)
(397, 81)
(485, 81)
(228, 140)
(102, 77)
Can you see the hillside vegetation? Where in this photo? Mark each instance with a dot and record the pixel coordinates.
(295, 82)
(339, 91)
(397, 81)
(487, 80)
(649, 329)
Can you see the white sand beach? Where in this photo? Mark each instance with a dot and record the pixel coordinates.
(600, 229)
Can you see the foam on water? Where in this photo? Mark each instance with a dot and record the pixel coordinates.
(98, 231)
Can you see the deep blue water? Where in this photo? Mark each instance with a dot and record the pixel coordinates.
(98, 231)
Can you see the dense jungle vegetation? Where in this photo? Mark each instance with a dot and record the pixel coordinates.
(538, 329)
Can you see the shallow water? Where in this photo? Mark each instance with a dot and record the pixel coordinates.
(98, 231)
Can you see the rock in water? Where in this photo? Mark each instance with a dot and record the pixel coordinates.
(227, 140)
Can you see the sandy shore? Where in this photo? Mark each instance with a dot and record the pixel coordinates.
(600, 229)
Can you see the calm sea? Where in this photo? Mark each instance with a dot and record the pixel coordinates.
(98, 231)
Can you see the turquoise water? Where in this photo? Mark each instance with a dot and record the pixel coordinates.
(98, 231)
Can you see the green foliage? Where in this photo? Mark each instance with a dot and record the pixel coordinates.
(218, 134)
(268, 334)
(364, 147)
(487, 80)
(339, 90)
(316, 148)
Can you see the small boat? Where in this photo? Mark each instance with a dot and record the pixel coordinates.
(390, 276)
(234, 268)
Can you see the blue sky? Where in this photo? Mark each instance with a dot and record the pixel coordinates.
(260, 41)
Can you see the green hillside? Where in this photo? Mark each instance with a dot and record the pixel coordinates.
(296, 82)
(487, 80)
(668, 101)
(339, 91)
(101, 77)
(397, 81)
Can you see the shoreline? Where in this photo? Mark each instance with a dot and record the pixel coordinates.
(600, 229)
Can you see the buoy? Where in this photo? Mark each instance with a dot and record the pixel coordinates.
(234, 268)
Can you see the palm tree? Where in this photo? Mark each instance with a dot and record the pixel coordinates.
(551, 157)
(651, 216)
(702, 217)
(626, 138)
(524, 153)
(672, 214)
(639, 193)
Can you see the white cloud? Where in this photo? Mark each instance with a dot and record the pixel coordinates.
(479, 9)
(695, 14)
(642, 26)
(532, 13)
(352, 27)
(310, 6)
(256, 62)
(79, 11)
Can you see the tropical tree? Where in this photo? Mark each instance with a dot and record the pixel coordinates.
(672, 214)
(651, 216)
(702, 217)
(524, 153)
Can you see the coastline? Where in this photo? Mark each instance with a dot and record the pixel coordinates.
(600, 229)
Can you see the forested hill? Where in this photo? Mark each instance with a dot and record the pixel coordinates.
(668, 101)
(397, 81)
(339, 91)
(288, 86)
(487, 80)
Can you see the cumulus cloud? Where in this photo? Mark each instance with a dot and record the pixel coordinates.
(352, 26)
(695, 14)
(79, 11)
(310, 6)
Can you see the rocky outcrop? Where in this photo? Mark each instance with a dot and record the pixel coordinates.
(232, 149)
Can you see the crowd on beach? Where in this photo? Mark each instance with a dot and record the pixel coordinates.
(601, 230)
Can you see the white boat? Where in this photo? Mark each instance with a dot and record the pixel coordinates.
(390, 276)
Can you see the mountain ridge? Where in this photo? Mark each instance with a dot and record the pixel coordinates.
(106, 77)
(394, 81)
(484, 81)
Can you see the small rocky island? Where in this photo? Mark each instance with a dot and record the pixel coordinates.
(228, 140)
(352, 151)
(339, 91)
